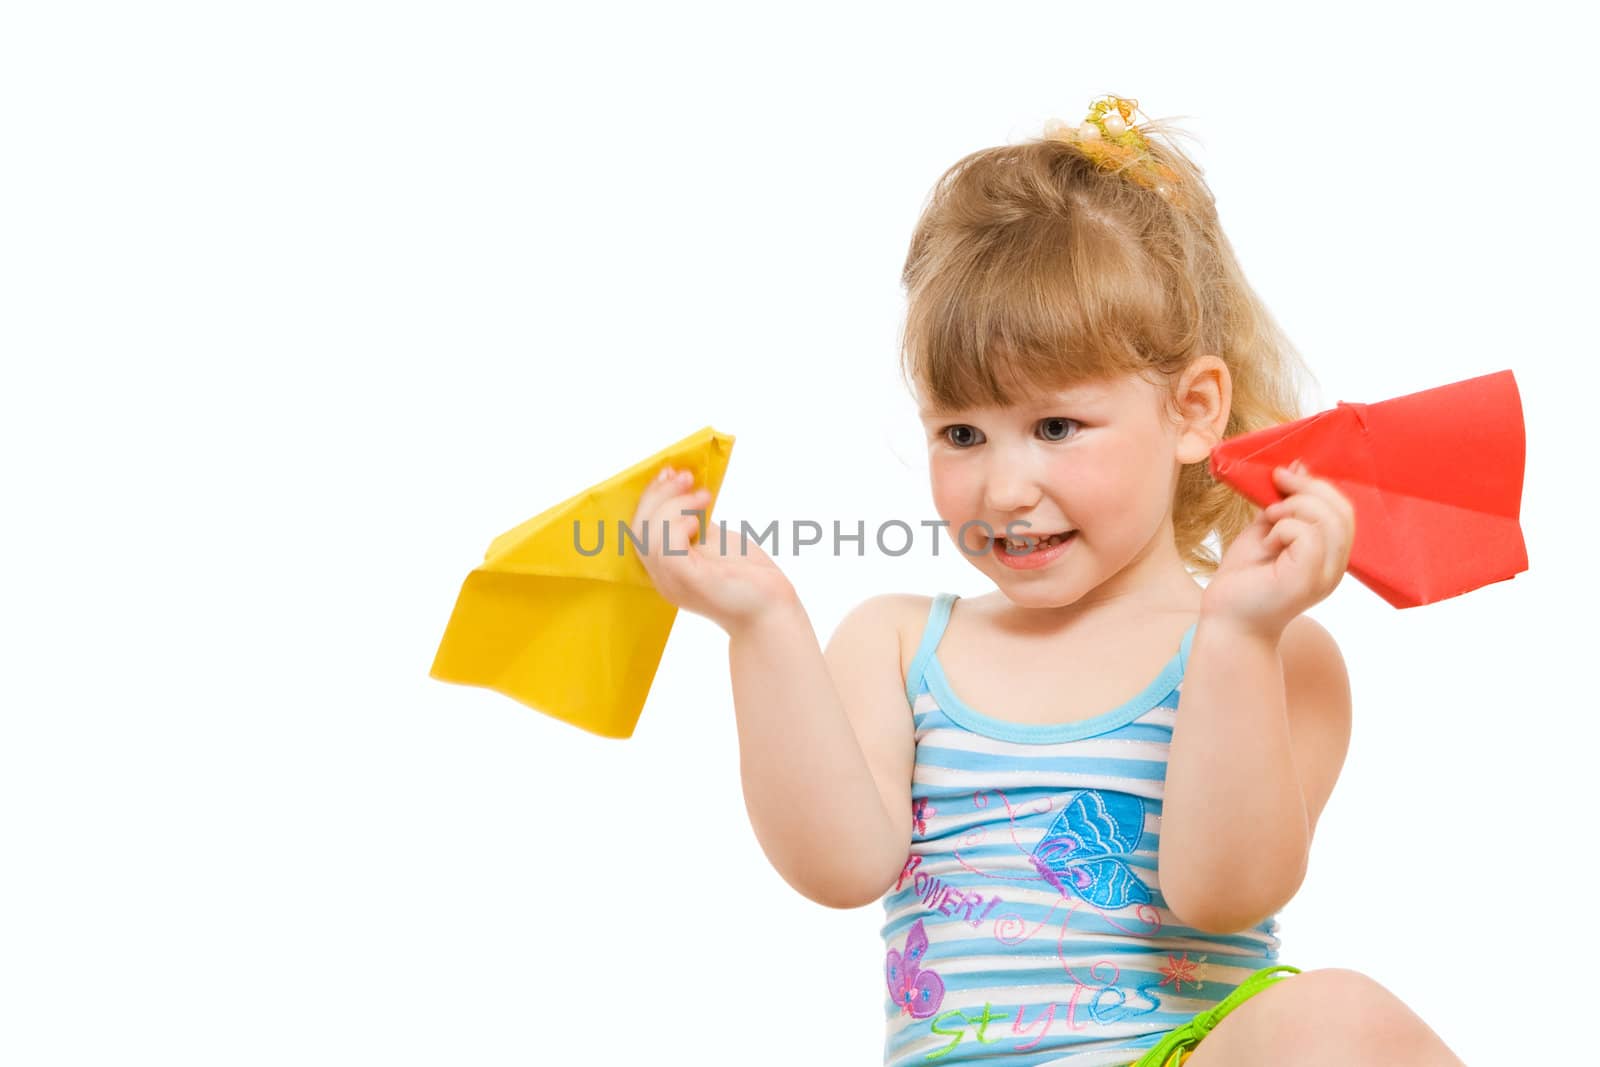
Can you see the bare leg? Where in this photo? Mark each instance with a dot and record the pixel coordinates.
(1331, 1017)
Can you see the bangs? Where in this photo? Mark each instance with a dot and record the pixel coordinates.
(1034, 309)
(1030, 271)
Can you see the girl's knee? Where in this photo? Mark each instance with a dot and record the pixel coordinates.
(1350, 1007)
(1327, 1016)
(1340, 984)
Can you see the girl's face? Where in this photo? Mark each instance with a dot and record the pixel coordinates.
(1100, 460)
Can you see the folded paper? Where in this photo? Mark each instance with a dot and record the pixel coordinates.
(1435, 479)
(562, 615)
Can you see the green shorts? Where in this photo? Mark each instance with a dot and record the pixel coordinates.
(1180, 1043)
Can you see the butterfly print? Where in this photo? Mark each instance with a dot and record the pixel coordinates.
(1082, 850)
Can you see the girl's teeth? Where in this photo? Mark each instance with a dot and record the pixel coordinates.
(1036, 542)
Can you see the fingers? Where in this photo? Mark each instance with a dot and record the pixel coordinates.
(1288, 531)
(1323, 509)
(664, 486)
(662, 507)
(667, 486)
(1297, 481)
(1308, 542)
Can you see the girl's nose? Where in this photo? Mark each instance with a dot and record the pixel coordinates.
(1010, 485)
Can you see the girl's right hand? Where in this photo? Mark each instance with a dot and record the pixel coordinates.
(730, 588)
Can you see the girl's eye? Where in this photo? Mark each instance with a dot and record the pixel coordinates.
(962, 436)
(1055, 429)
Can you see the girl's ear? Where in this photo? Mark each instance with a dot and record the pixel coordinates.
(1202, 397)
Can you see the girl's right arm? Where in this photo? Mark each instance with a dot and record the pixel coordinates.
(825, 742)
(826, 749)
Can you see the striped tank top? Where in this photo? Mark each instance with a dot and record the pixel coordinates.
(1028, 926)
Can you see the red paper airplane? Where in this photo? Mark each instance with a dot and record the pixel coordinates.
(1435, 479)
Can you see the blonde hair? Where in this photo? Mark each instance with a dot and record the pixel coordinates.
(1033, 268)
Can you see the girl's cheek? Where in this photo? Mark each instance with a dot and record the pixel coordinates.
(953, 492)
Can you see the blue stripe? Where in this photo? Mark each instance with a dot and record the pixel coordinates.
(1145, 856)
(1049, 1052)
(1080, 920)
(1051, 972)
(934, 718)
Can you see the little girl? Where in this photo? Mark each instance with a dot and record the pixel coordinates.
(1084, 796)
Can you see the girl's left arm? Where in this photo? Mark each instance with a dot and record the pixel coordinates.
(1263, 721)
(1258, 743)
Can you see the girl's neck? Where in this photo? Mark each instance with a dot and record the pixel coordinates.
(1025, 620)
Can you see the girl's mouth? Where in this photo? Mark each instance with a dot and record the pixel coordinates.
(1023, 555)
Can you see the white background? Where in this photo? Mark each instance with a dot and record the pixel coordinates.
(304, 302)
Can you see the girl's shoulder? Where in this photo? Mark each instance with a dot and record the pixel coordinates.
(911, 611)
(900, 617)
(905, 613)
(1311, 657)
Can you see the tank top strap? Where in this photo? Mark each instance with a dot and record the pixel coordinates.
(938, 618)
(1185, 645)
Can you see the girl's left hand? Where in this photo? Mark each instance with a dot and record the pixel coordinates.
(1291, 557)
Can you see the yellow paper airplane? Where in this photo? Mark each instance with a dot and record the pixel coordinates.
(576, 634)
